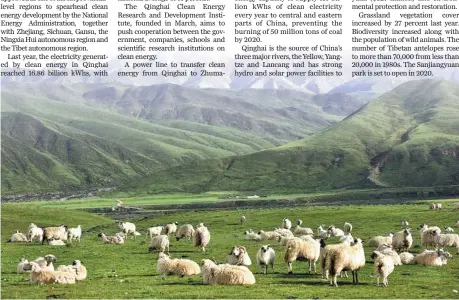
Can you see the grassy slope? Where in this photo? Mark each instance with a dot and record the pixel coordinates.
(51, 145)
(412, 132)
(136, 269)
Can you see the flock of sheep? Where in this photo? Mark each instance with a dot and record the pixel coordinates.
(299, 242)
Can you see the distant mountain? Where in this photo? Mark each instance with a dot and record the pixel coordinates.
(407, 137)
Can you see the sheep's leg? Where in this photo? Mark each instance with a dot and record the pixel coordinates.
(272, 267)
(353, 277)
(356, 277)
(315, 268)
(265, 269)
(335, 279)
(310, 267)
(377, 280)
(290, 271)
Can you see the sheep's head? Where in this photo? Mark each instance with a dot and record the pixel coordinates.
(322, 243)
(50, 258)
(76, 263)
(23, 260)
(176, 223)
(207, 262)
(163, 255)
(234, 251)
(407, 231)
(376, 254)
(357, 241)
(422, 226)
(264, 248)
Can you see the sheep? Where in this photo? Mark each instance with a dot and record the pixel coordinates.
(299, 222)
(243, 219)
(53, 242)
(286, 224)
(160, 242)
(383, 267)
(127, 228)
(350, 258)
(154, 231)
(269, 235)
(428, 235)
(447, 240)
(379, 240)
(57, 233)
(347, 237)
(404, 223)
(75, 233)
(39, 276)
(333, 231)
(250, 235)
(120, 235)
(78, 270)
(181, 267)
(432, 206)
(283, 240)
(17, 237)
(323, 234)
(298, 249)
(34, 233)
(303, 230)
(438, 206)
(431, 258)
(171, 228)
(284, 232)
(265, 257)
(45, 263)
(238, 256)
(406, 258)
(23, 266)
(185, 230)
(201, 237)
(388, 250)
(326, 249)
(448, 229)
(347, 227)
(111, 239)
(225, 274)
(402, 240)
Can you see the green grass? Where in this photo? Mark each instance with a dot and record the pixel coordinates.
(135, 267)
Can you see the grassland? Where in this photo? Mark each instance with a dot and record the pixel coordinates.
(135, 268)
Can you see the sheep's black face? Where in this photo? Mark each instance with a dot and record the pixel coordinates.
(322, 243)
(177, 238)
(99, 235)
(373, 255)
(264, 249)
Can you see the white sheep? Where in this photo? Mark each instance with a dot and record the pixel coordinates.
(171, 228)
(406, 258)
(333, 247)
(388, 250)
(321, 233)
(284, 232)
(377, 241)
(298, 249)
(186, 231)
(447, 240)
(333, 231)
(266, 256)
(34, 233)
(181, 267)
(428, 235)
(286, 224)
(243, 219)
(75, 233)
(160, 242)
(201, 237)
(283, 240)
(351, 258)
(225, 274)
(76, 268)
(438, 206)
(154, 231)
(128, 228)
(238, 256)
(111, 239)
(303, 230)
(57, 233)
(40, 276)
(17, 237)
(42, 262)
(299, 222)
(431, 258)
(347, 227)
(405, 223)
(347, 237)
(53, 242)
(448, 229)
(402, 240)
(250, 235)
(432, 206)
(269, 235)
(383, 267)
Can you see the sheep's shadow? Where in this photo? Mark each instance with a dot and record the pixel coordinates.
(182, 283)
(322, 283)
(299, 275)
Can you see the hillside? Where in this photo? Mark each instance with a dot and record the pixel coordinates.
(407, 137)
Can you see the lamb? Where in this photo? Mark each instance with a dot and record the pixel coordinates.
(323, 234)
(171, 228)
(17, 237)
(201, 237)
(160, 242)
(303, 230)
(351, 258)
(57, 233)
(448, 229)
(185, 230)
(75, 233)
(238, 256)
(128, 228)
(428, 235)
(402, 240)
(284, 232)
(111, 239)
(333, 231)
(181, 267)
(243, 219)
(34, 233)
(406, 258)
(78, 270)
(265, 257)
(379, 240)
(383, 266)
(269, 235)
(250, 235)
(298, 249)
(447, 240)
(154, 231)
(286, 224)
(347, 227)
(225, 274)
(431, 258)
